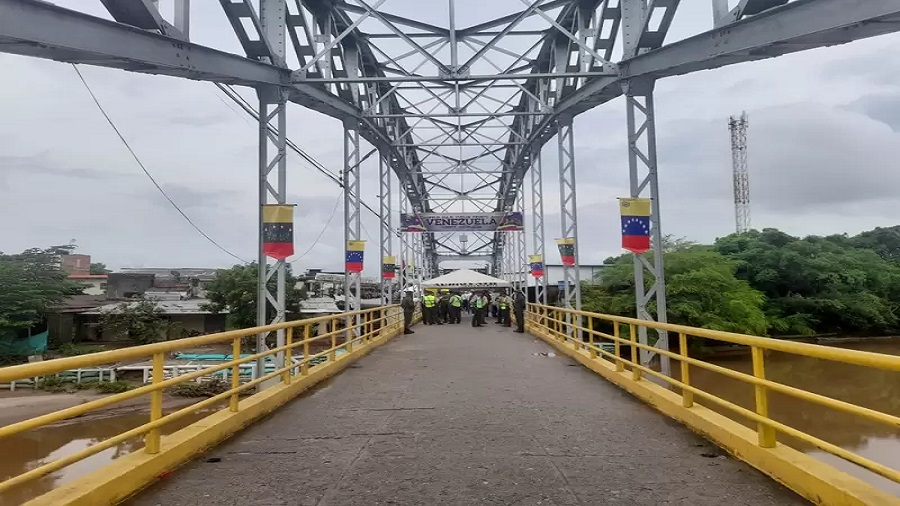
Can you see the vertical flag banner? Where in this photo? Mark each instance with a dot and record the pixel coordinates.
(278, 230)
(355, 253)
(635, 224)
(567, 250)
(388, 267)
(537, 265)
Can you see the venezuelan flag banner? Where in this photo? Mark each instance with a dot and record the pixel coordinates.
(388, 267)
(567, 250)
(278, 230)
(537, 265)
(355, 252)
(635, 224)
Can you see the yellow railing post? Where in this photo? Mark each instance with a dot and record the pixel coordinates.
(687, 398)
(620, 366)
(235, 374)
(304, 368)
(331, 355)
(593, 350)
(765, 433)
(352, 327)
(635, 372)
(288, 361)
(577, 335)
(152, 442)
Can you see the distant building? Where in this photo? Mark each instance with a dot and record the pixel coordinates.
(94, 284)
(189, 315)
(74, 264)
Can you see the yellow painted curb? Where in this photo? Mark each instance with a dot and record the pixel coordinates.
(812, 479)
(131, 473)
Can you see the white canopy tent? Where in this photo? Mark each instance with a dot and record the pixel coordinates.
(466, 278)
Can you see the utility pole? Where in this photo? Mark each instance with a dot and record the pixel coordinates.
(738, 128)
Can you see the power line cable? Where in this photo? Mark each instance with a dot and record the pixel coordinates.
(231, 93)
(327, 224)
(147, 172)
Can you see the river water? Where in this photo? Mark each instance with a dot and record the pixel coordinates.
(878, 390)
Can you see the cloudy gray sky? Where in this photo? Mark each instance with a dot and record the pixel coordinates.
(823, 147)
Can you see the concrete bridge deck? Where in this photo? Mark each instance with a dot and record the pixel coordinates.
(454, 415)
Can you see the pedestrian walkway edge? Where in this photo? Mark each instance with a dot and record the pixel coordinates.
(130, 474)
(814, 480)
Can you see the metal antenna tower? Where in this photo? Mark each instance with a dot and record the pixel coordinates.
(738, 128)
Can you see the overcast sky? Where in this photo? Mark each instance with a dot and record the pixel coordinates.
(823, 147)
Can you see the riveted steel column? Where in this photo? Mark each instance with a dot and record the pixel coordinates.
(642, 168)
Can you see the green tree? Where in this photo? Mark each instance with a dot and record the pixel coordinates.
(99, 268)
(31, 283)
(142, 322)
(816, 284)
(701, 290)
(234, 290)
(883, 241)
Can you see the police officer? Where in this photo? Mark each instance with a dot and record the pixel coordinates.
(455, 308)
(478, 302)
(518, 305)
(503, 303)
(429, 301)
(408, 306)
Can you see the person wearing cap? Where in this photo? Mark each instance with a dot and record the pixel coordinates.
(443, 307)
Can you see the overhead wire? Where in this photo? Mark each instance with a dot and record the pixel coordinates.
(147, 172)
(236, 97)
(327, 224)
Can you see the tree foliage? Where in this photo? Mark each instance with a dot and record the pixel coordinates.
(234, 290)
(99, 268)
(769, 282)
(701, 289)
(31, 283)
(142, 322)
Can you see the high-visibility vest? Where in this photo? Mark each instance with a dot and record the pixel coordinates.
(503, 302)
(479, 302)
(456, 301)
(428, 300)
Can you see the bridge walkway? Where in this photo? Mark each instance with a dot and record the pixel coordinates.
(454, 415)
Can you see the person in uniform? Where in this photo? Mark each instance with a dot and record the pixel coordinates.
(408, 306)
(429, 301)
(444, 307)
(518, 304)
(503, 303)
(456, 303)
(479, 302)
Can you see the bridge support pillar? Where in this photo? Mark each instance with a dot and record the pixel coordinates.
(384, 197)
(352, 223)
(272, 190)
(568, 210)
(642, 167)
(537, 213)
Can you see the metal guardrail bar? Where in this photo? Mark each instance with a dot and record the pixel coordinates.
(564, 325)
(359, 327)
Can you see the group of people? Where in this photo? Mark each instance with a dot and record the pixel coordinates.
(446, 306)
(443, 308)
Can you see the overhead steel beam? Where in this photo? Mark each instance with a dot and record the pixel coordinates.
(43, 30)
(797, 26)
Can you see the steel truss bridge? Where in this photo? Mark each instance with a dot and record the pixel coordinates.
(458, 114)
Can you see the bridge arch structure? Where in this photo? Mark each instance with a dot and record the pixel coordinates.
(458, 114)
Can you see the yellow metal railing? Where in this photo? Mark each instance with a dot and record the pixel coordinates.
(569, 326)
(347, 330)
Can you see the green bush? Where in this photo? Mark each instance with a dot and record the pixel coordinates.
(73, 350)
(54, 384)
(113, 387)
(207, 389)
